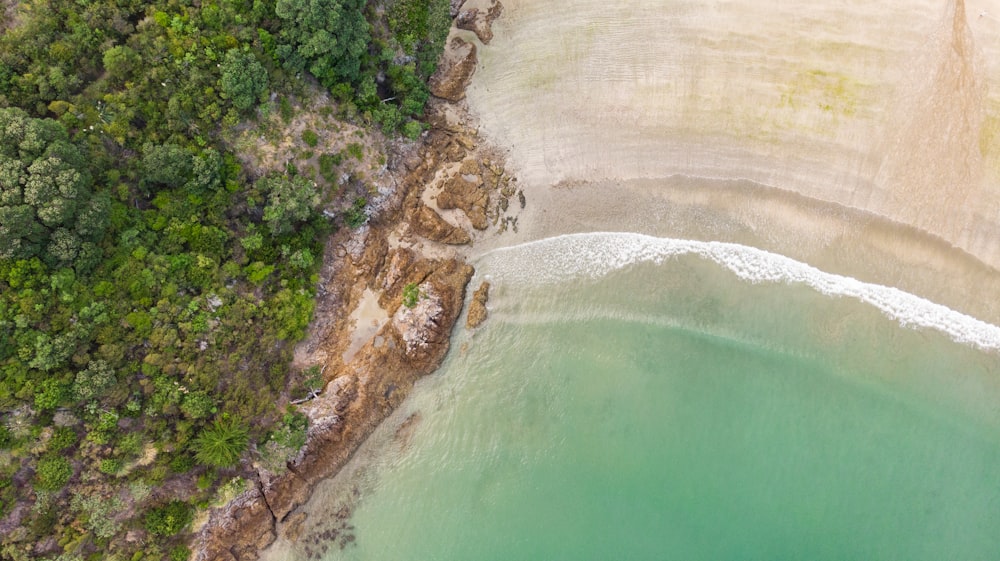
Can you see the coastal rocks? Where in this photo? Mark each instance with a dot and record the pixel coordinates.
(359, 397)
(456, 68)
(247, 522)
(405, 243)
(424, 329)
(477, 307)
(479, 21)
(429, 224)
(416, 325)
(469, 194)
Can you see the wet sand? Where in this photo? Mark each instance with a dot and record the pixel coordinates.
(859, 138)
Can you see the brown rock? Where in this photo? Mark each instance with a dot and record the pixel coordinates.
(457, 65)
(480, 22)
(430, 225)
(470, 166)
(468, 196)
(477, 307)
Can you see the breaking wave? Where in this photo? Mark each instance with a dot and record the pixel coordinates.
(594, 255)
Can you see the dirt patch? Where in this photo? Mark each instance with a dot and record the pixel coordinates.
(8, 14)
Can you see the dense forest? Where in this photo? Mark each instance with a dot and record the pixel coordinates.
(151, 287)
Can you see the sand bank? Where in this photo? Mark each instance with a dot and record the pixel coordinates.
(860, 138)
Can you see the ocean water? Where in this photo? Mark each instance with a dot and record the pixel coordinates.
(650, 399)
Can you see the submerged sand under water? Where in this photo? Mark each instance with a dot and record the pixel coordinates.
(858, 137)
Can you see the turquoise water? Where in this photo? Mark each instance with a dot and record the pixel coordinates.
(670, 409)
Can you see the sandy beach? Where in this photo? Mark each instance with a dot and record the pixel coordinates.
(860, 138)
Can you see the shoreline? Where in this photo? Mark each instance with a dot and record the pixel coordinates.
(607, 131)
(834, 238)
(372, 345)
(831, 235)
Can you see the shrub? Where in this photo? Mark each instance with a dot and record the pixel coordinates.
(110, 466)
(411, 294)
(100, 513)
(412, 129)
(355, 150)
(356, 216)
(181, 464)
(62, 438)
(310, 138)
(180, 553)
(285, 441)
(168, 519)
(328, 166)
(53, 473)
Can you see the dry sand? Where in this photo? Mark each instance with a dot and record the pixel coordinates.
(859, 137)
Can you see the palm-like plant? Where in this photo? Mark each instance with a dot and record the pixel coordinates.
(221, 444)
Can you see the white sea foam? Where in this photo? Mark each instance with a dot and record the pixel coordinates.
(595, 255)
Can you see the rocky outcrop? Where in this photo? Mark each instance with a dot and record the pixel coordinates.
(430, 225)
(456, 68)
(359, 397)
(479, 21)
(477, 307)
(469, 194)
(364, 389)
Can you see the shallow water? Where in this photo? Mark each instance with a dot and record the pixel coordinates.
(616, 407)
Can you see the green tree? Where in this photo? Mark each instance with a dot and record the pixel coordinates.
(289, 202)
(121, 62)
(93, 381)
(165, 165)
(244, 79)
(221, 444)
(44, 191)
(328, 38)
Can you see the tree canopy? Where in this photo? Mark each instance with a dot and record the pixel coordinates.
(47, 208)
(328, 38)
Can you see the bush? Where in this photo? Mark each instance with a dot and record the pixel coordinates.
(310, 138)
(411, 294)
(412, 129)
(355, 150)
(356, 216)
(110, 466)
(328, 166)
(180, 553)
(284, 442)
(181, 464)
(62, 438)
(53, 473)
(168, 519)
